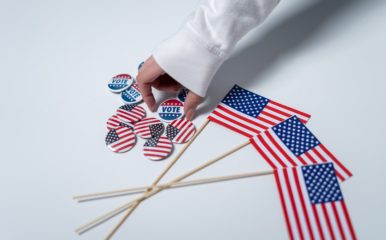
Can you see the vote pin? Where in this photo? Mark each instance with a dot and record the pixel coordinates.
(149, 127)
(157, 148)
(120, 82)
(170, 110)
(130, 113)
(120, 139)
(132, 94)
(182, 94)
(180, 130)
(140, 65)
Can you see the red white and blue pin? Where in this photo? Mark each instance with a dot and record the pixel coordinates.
(120, 82)
(182, 94)
(114, 122)
(149, 127)
(132, 94)
(170, 110)
(157, 148)
(180, 130)
(130, 113)
(120, 139)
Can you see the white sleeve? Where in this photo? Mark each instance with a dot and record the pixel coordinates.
(193, 55)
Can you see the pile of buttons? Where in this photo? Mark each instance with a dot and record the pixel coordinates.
(130, 121)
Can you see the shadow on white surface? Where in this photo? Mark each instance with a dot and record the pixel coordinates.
(252, 62)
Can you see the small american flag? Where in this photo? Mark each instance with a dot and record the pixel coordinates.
(249, 113)
(149, 127)
(114, 122)
(130, 113)
(120, 139)
(290, 143)
(157, 148)
(313, 203)
(180, 130)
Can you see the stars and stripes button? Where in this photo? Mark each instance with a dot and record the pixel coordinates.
(140, 65)
(182, 94)
(114, 122)
(130, 113)
(132, 94)
(171, 109)
(157, 148)
(149, 127)
(180, 130)
(120, 139)
(120, 82)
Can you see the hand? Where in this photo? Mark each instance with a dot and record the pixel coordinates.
(151, 75)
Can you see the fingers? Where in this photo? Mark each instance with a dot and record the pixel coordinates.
(167, 83)
(149, 72)
(191, 103)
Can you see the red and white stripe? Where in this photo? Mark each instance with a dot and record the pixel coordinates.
(186, 130)
(142, 128)
(132, 116)
(276, 153)
(272, 114)
(161, 151)
(113, 122)
(305, 220)
(126, 140)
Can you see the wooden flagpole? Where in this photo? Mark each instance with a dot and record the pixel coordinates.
(178, 179)
(122, 192)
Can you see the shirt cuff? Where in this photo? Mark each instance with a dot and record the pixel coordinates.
(188, 61)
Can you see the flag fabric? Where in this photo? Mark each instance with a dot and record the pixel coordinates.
(180, 130)
(130, 113)
(149, 127)
(157, 148)
(120, 139)
(313, 203)
(290, 143)
(249, 113)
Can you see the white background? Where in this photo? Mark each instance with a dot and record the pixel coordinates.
(323, 57)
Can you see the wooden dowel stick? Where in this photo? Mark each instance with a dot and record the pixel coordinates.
(165, 170)
(122, 192)
(178, 179)
(118, 210)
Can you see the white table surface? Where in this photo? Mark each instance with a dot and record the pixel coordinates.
(324, 57)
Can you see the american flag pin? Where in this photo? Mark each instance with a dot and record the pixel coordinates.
(130, 113)
(140, 65)
(119, 83)
(171, 109)
(157, 148)
(114, 122)
(132, 94)
(149, 127)
(180, 130)
(182, 94)
(120, 139)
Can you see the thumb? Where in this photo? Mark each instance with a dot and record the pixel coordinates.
(191, 102)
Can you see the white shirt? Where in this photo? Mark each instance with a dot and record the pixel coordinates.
(194, 54)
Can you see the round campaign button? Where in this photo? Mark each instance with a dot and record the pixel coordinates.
(182, 94)
(130, 113)
(114, 122)
(171, 109)
(149, 127)
(120, 139)
(132, 94)
(157, 148)
(120, 82)
(140, 65)
(180, 130)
